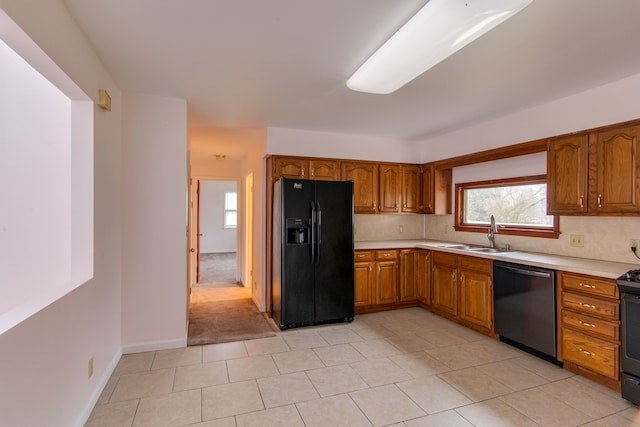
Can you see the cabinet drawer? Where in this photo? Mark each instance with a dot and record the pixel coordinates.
(594, 354)
(445, 258)
(363, 256)
(592, 306)
(476, 264)
(591, 325)
(592, 285)
(388, 254)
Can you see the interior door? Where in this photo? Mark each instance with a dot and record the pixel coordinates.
(193, 232)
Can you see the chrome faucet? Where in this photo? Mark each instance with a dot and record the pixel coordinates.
(493, 229)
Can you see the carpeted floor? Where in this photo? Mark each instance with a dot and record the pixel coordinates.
(217, 269)
(222, 310)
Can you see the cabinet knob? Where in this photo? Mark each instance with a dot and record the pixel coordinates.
(581, 201)
(599, 200)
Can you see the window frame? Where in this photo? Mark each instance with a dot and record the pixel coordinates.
(459, 225)
(226, 210)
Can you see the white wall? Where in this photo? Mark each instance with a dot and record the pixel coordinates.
(154, 222)
(611, 103)
(606, 238)
(255, 163)
(44, 358)
(214, 238)
(295, 142)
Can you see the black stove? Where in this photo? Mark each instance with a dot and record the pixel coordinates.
(629, 285)
(629, 282)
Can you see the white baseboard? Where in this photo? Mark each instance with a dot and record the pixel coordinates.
(154, 346)
(86, 413)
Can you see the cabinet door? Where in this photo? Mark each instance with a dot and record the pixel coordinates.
(386, 282)
(567, 171)
(289, 167)
(364, 284)
(618, 171)
(444, 296)
(390, 188)
(411, 189)
(324, 170)
(428, 186)
(424, 277)
(476, 298)
(408, 275)
(365, 185)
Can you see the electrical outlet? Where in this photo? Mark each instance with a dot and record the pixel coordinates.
(634, 243)
(401, 229)
(577, 240)
(90, 368)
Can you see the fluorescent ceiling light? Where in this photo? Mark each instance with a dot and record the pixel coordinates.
(439, 29)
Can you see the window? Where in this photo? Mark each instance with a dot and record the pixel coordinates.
(230, 210)
(519, 206)
(46, 128)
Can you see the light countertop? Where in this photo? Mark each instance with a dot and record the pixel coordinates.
(593, 267)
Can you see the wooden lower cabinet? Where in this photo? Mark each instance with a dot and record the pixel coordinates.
(376, 280)
(589, 327)
(423, 282)
(387, 279)
(476, 292)
(462, 290)
(364, 279)
(408, 275)
(444, 292)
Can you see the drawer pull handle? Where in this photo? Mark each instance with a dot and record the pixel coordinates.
(589, 325)
(584, 304)
(588, 353)
(360, 256)
(586, 285)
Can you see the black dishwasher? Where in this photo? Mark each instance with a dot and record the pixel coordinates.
(525, 308)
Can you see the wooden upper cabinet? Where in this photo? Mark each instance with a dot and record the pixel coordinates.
(595, 173)
(618, 171)
(411, 180)
(365, 185)
(390, 188)
(428, 188)
(567, 169)
(290, 167)
(324, 169)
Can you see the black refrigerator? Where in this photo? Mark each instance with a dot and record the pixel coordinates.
(312, 270)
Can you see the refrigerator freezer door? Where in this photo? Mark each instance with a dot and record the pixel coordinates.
(297, 282)
(334, 271)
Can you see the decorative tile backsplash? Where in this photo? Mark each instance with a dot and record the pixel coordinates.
(389, 227)
(605, 238)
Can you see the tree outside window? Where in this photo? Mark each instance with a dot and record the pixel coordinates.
(519, 206)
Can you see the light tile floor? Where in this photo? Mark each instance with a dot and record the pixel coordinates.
(401, 368)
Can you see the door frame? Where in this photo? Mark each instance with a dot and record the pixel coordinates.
(194, 231)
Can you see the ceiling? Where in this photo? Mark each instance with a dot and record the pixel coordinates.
(244, 64)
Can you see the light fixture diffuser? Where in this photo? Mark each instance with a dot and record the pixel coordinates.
(438, 30)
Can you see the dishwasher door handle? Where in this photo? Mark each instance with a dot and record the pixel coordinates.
(525, 272)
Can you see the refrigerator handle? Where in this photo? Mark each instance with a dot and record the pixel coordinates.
(313, 232)
(318, 231)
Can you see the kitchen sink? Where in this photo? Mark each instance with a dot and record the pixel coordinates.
(490, 250)
(461, 247)
(474, 248)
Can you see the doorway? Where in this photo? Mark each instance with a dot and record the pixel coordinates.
(217, 233)
(221, 308)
